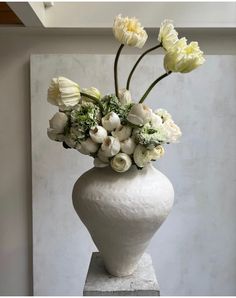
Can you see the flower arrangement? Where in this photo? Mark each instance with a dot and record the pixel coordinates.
(115, 130)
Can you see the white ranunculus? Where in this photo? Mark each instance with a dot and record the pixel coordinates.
(163, 114)
(90, 91)
(122, 132)
(87, 147)
(168, 36)
(128, 146)
(139, 114)
(98, 134)
(156, 120)
(63, 92)
(98, 163)
(121, 162)
(102, 155)
(58, 122)
(111, 121)
(129, 31)
(54, 135)
(172, 130)
(125, 96)
(110, 146)
(183, 57)
(142, 156)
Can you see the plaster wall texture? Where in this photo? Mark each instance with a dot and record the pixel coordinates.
(17, 44)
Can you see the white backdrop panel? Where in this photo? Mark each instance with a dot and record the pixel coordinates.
(194, 252)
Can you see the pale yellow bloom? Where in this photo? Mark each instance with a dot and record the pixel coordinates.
(129, 31)
(90, 91)
(183, 57)
(63, 92)
(168, 36)
(142, 156)
(121, 162)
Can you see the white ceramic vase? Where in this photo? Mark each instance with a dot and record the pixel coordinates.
(122, 211)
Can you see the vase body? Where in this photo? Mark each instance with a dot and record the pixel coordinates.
(122, 211)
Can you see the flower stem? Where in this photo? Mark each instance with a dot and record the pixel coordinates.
(115, 69)
(152, 85)
(137, 62)
(95, 99)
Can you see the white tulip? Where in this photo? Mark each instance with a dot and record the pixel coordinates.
(58, 122)
(122, 132)
(183, 57)
(111, 121)
(142, 156)
(54, 135)
(168, 36)
(139, 114)
(128, 146)
(98, 163)
(173, 132)
(63, 92)
(124, 96)
(87, 147)
(121, 162)
(110, 146)
(98, 134)
(129, 31)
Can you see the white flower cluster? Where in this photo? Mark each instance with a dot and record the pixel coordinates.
(128, 135)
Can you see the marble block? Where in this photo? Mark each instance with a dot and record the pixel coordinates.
(141, 283)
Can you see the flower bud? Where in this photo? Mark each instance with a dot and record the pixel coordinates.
(128, 146)
(124, 96)
(139, 114)
(122, 132)
(58, 122)
(88, 146)
(110, 146)
(111, 121)
(98, 134)
(121, 162)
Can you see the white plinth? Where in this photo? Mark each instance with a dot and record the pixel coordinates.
(141, 283)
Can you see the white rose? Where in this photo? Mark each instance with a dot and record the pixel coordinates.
(88, 146)
(58, 122)
(142, 156)
(122, 132)
(139, 114)
(98, 163)
(129, 31)
(63, 92)
(168, 36)
(90, 91)
(183, 58)
(156, 120)
(124, 96)
(163, 114)
(172, 130)
(98, 134)
(128, 146)
(54, 135)
(121, 162)
(110, 146)
(111, 121)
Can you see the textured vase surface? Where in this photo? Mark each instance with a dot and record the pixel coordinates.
(122, 211)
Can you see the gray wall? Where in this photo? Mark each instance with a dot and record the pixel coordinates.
(15, 156)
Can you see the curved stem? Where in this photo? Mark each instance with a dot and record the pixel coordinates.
(136, 64)
(95, 99)
(115, 69)
(152, 85)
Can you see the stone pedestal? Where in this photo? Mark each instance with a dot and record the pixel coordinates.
(141, 283)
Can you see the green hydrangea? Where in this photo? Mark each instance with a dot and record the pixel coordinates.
(149, 136)
(81, 119)
(110, 103)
